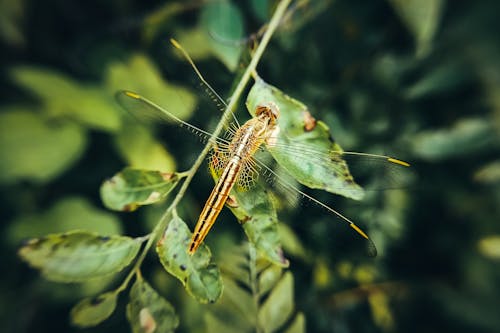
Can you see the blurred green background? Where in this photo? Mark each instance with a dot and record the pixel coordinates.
(417, 79)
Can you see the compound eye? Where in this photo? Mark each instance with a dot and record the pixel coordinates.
(270, 109)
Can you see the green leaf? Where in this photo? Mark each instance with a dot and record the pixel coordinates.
(421, 18)
(67, 214)
(489, 246)
(149, 312)
(260, 9)
(200, 277)
(464, 137)
(93, 310)
(489, 173)
(64, 97)
(196, 43)
(255, 211)
(77, 256)
(141, 150)
(279, 306)
(223, 24)
(35, 149)
(298, 128)
(268, 278)
(291, 243)
(298, 325)
(132, 188)
(139, 74)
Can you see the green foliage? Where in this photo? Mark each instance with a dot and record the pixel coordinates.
(299, 129)
(200, 276)
(93, 310)
(418, 79)
(132, 188)
(78, 255)
(147, 311)
(224, 24)
(258, 296)
(67, 214)
(35, 149)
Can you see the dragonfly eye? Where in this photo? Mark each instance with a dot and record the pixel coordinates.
(269, 109)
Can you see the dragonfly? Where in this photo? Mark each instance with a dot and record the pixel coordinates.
(235, 162)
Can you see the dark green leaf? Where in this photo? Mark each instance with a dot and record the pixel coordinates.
(465, 136)
(299, 129)
(35, 149)
(78, 255)
(92, 311)
(421, 17)
(200, 277)
(149, 312)
(224, 25)
(132, 188)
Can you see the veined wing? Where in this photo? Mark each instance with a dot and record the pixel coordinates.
(326, 166)
(143, 108)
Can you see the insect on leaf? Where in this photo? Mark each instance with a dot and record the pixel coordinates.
(132, 188)
(77, 256)
(299, 142)
(93, 310)
(147, 311)
(200, 277)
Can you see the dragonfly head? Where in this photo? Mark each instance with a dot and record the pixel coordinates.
(268, 110)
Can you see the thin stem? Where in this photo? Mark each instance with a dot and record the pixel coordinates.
(273, 24)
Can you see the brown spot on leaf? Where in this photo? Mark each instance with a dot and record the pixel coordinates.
(309, 121)
(148, 323)
(167, 175)
(232, 202)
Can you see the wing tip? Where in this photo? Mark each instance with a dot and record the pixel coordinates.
(396, 161)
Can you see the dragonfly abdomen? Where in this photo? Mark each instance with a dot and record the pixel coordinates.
(215, 202)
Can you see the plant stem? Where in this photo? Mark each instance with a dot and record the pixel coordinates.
(162, 224)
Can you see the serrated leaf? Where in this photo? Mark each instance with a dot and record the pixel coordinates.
(67, 214)
(62, 96)
(223, 23)
(465, 136)
(298, 127)
(36, 149)
(279, 306)
(200, 277)
(421, 17)
(139, 74)
(148, 312)
(93, 310)
(77, 256)
(132, 188)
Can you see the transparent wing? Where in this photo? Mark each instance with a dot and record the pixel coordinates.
(147, 111)
(370, 171)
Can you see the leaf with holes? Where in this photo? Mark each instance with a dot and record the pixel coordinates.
(200, 277)
(93, 310)
(77, 256)
(147, 311)
(132, 188)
